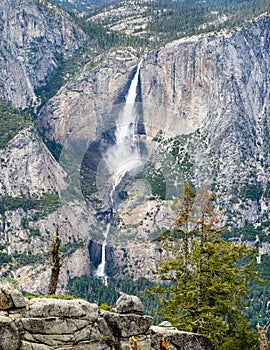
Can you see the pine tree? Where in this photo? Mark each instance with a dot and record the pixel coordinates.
(205, 278)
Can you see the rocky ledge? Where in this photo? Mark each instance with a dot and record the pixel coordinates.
(48, 324)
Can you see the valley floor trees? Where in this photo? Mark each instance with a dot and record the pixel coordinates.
(205, 278)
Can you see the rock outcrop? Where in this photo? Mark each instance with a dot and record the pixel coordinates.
(29, 173)
(92, 100)
(54, 324)
(27, 166)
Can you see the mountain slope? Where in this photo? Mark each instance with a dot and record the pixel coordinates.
(79, 5)
(205, 106)
(162, 21)
(36, 37)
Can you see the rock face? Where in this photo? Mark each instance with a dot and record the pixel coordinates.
(213, 91)
(34, 36)
(209, 96)
(210, 92)
(28, 173)
(47, 324)
(178, 340)
(27, 166)
(91, 100)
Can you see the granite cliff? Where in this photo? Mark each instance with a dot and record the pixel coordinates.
(35, 37)
(205, 102)
(49, 324)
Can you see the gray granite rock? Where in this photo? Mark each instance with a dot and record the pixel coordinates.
(50, 324)
(127, 325)
(11, 297)
(9, 334)
(46, 307)
(178, 340)
(129, 304)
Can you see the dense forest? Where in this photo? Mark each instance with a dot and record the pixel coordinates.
(12, 121)
(169, 20)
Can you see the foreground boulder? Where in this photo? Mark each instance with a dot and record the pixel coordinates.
(178, 340)
(127, 304)
(56, 324)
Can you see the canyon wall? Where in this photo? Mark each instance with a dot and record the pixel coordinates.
(205, 102)
(35, 36)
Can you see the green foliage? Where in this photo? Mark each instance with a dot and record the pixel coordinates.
(206, 278)
(105, 39)
(4, 259)
(34, 231)
(172, 20)
(12, 121)
(79, 6)
(95, 291)
(92, 290)
(88, 174)
(156, 180)
(249, 232)
(43, 205)
(71, 247)
(258, 303)
(54, 147)
(56, 296)
(23, 259)
(251, 190)
(53, 296)
(105, 307)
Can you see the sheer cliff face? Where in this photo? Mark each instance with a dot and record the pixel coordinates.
(211, 80)
(89, 99)
(209, 95)
(33, 38)
(215, 88)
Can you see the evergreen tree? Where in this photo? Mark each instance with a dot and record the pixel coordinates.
(205, 278)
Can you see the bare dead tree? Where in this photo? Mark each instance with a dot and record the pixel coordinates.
(56, 261)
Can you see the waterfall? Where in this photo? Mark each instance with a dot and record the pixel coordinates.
(123, 158)
(101, 267)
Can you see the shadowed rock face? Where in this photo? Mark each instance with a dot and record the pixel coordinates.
(78, 325)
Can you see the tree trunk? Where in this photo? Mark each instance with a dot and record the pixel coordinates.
(55, 263)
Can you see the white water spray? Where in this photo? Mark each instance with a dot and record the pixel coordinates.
(123, 158)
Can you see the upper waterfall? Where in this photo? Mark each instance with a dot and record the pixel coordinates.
(123, 157)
